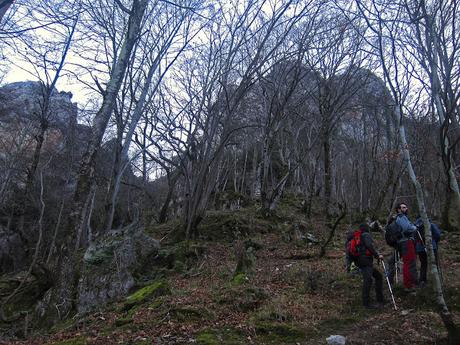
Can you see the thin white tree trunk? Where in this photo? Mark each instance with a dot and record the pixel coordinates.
(445, 313)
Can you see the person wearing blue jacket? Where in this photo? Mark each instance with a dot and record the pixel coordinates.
(406, 246)
(421, 249)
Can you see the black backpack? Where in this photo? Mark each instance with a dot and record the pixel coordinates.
(393, 233)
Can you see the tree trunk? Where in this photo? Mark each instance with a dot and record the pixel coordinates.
(264, 198)
(4, 5)
(63, 296)
(163, 217)
(333, 227)
(30, 176)
(453, 331)
(432, 50)
(327, 174)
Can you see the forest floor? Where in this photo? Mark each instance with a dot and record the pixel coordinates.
(290, 296)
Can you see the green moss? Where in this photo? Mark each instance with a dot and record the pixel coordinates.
(101, 252)
(206, 338)
(161, 230)
(181, 257)
(279, 333)
(156, 289)
(227, 336)
(121, 321)
(189, 314)
(241, 299)
(156, 304)
(128, 318)
(73, 341)
(229, 225)
(239, 279)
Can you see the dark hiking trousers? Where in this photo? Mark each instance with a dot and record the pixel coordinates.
(408, 255)
(423, 257)
(368, 273)
(391, 266)
(423, 266)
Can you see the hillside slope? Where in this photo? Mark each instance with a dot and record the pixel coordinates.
(288, 294)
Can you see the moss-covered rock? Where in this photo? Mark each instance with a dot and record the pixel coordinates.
(109, 267)
(245, 258)
(180, 257)
(230, 225)
(147, 293)
(19, 294)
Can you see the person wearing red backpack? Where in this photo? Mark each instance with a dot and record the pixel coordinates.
(361, 251)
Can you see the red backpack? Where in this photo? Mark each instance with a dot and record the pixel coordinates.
(355, 247)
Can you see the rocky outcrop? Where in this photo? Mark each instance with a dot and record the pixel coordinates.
(19, 293)
(22, 119)
(23, 100)
(109, 267)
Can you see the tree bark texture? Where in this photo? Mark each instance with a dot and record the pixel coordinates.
(63, 297)
(453, 331)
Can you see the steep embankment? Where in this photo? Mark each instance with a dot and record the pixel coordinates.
(287, 296)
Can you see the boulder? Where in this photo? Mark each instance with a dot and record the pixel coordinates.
(336, 340)
(109, 267)
(19, 293)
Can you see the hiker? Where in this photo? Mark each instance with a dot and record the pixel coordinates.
(421, 249)
(361, 251)
(405, 248)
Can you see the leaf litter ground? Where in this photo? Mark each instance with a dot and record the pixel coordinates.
(289, 297)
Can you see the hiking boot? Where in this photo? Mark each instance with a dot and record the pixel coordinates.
(411, 291)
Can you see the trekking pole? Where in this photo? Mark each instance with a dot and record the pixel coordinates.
(396, 260)
(421, 240)
(389, 285)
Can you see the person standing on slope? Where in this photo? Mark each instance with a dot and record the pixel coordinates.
(406, 246)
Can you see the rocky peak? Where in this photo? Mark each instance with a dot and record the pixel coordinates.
(24, 100)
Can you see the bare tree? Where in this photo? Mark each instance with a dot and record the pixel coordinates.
(337, 62)
(48, 73)
(257, 39)
(157, 46)
(434, 35)
(63, 293)
(379, 19)
(278, 90)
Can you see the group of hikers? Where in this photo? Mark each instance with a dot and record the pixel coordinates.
(407, 240)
